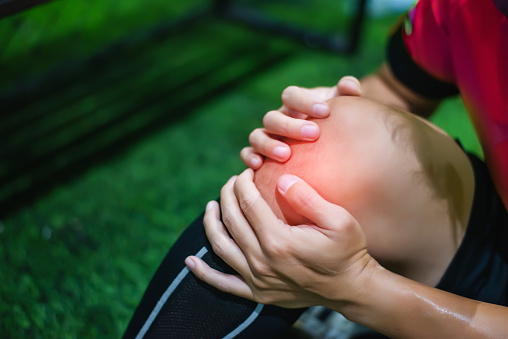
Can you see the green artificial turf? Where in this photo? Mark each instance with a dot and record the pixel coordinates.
(76, 262)
(65, 31)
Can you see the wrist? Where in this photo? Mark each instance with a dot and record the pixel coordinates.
(399, 307)
(367, 277)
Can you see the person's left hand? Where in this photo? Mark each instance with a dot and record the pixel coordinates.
(289, 266)
(290, 121)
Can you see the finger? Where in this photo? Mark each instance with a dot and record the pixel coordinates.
(278, 123)
(224, 282)
(350, 86)
(235, 221)
(221, 242)
(264, 144)
(304, 199)
(302, 100)
(260, 216)
(293, 114)
(250, 158)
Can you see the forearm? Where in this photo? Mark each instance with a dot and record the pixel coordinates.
(383, 87)
(402, 308)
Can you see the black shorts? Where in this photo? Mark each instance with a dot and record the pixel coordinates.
(479, 269)
(178, 305)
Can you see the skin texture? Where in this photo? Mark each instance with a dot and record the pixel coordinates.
(371, 160)
(290, 122)
(299, 103)
(326, 263)
(339, 164)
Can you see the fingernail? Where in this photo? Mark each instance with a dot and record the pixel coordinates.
(255, 162)
(209, 206)
(320, 110)
(310, 132)
(190, 263)
(233, 178)
(280, 152)
(286, 181)
(351, 83)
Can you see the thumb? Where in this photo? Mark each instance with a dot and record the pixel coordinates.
(307, 202)
(349, 85)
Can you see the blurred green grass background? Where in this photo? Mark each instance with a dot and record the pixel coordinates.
(76, 262)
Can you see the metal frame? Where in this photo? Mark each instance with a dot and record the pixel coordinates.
(338, 43)
(227, 9)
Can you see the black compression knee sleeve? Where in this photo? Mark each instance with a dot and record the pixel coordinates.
(178, 305)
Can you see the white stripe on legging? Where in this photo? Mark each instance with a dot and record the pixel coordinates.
(246, 323)
(166, 295)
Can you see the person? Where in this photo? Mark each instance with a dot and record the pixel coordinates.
(374, 172)
(445, 44)
(368, 157)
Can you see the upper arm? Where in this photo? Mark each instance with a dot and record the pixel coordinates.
(419, 72)
(385, 87)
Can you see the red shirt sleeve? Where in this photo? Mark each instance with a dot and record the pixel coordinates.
(427, 41)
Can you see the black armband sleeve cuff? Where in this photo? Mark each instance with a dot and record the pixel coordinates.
(413, 76)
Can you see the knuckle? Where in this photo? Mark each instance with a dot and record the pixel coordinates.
(263, 299)
(222, 286)
(219, 247)
(245, 153)
(286, 127)
(267, 119)
(224, 189)
(306, 201)
(345, 221)
(207, 219)
(259, 270)
(228, 218)
(278, 123)
(247, 203)
(202, 274)
(275, 248)
(247, 198)
(254, 135)
(286, 93)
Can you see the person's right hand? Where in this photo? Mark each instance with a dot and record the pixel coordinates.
(324, 262)
(290, 121)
